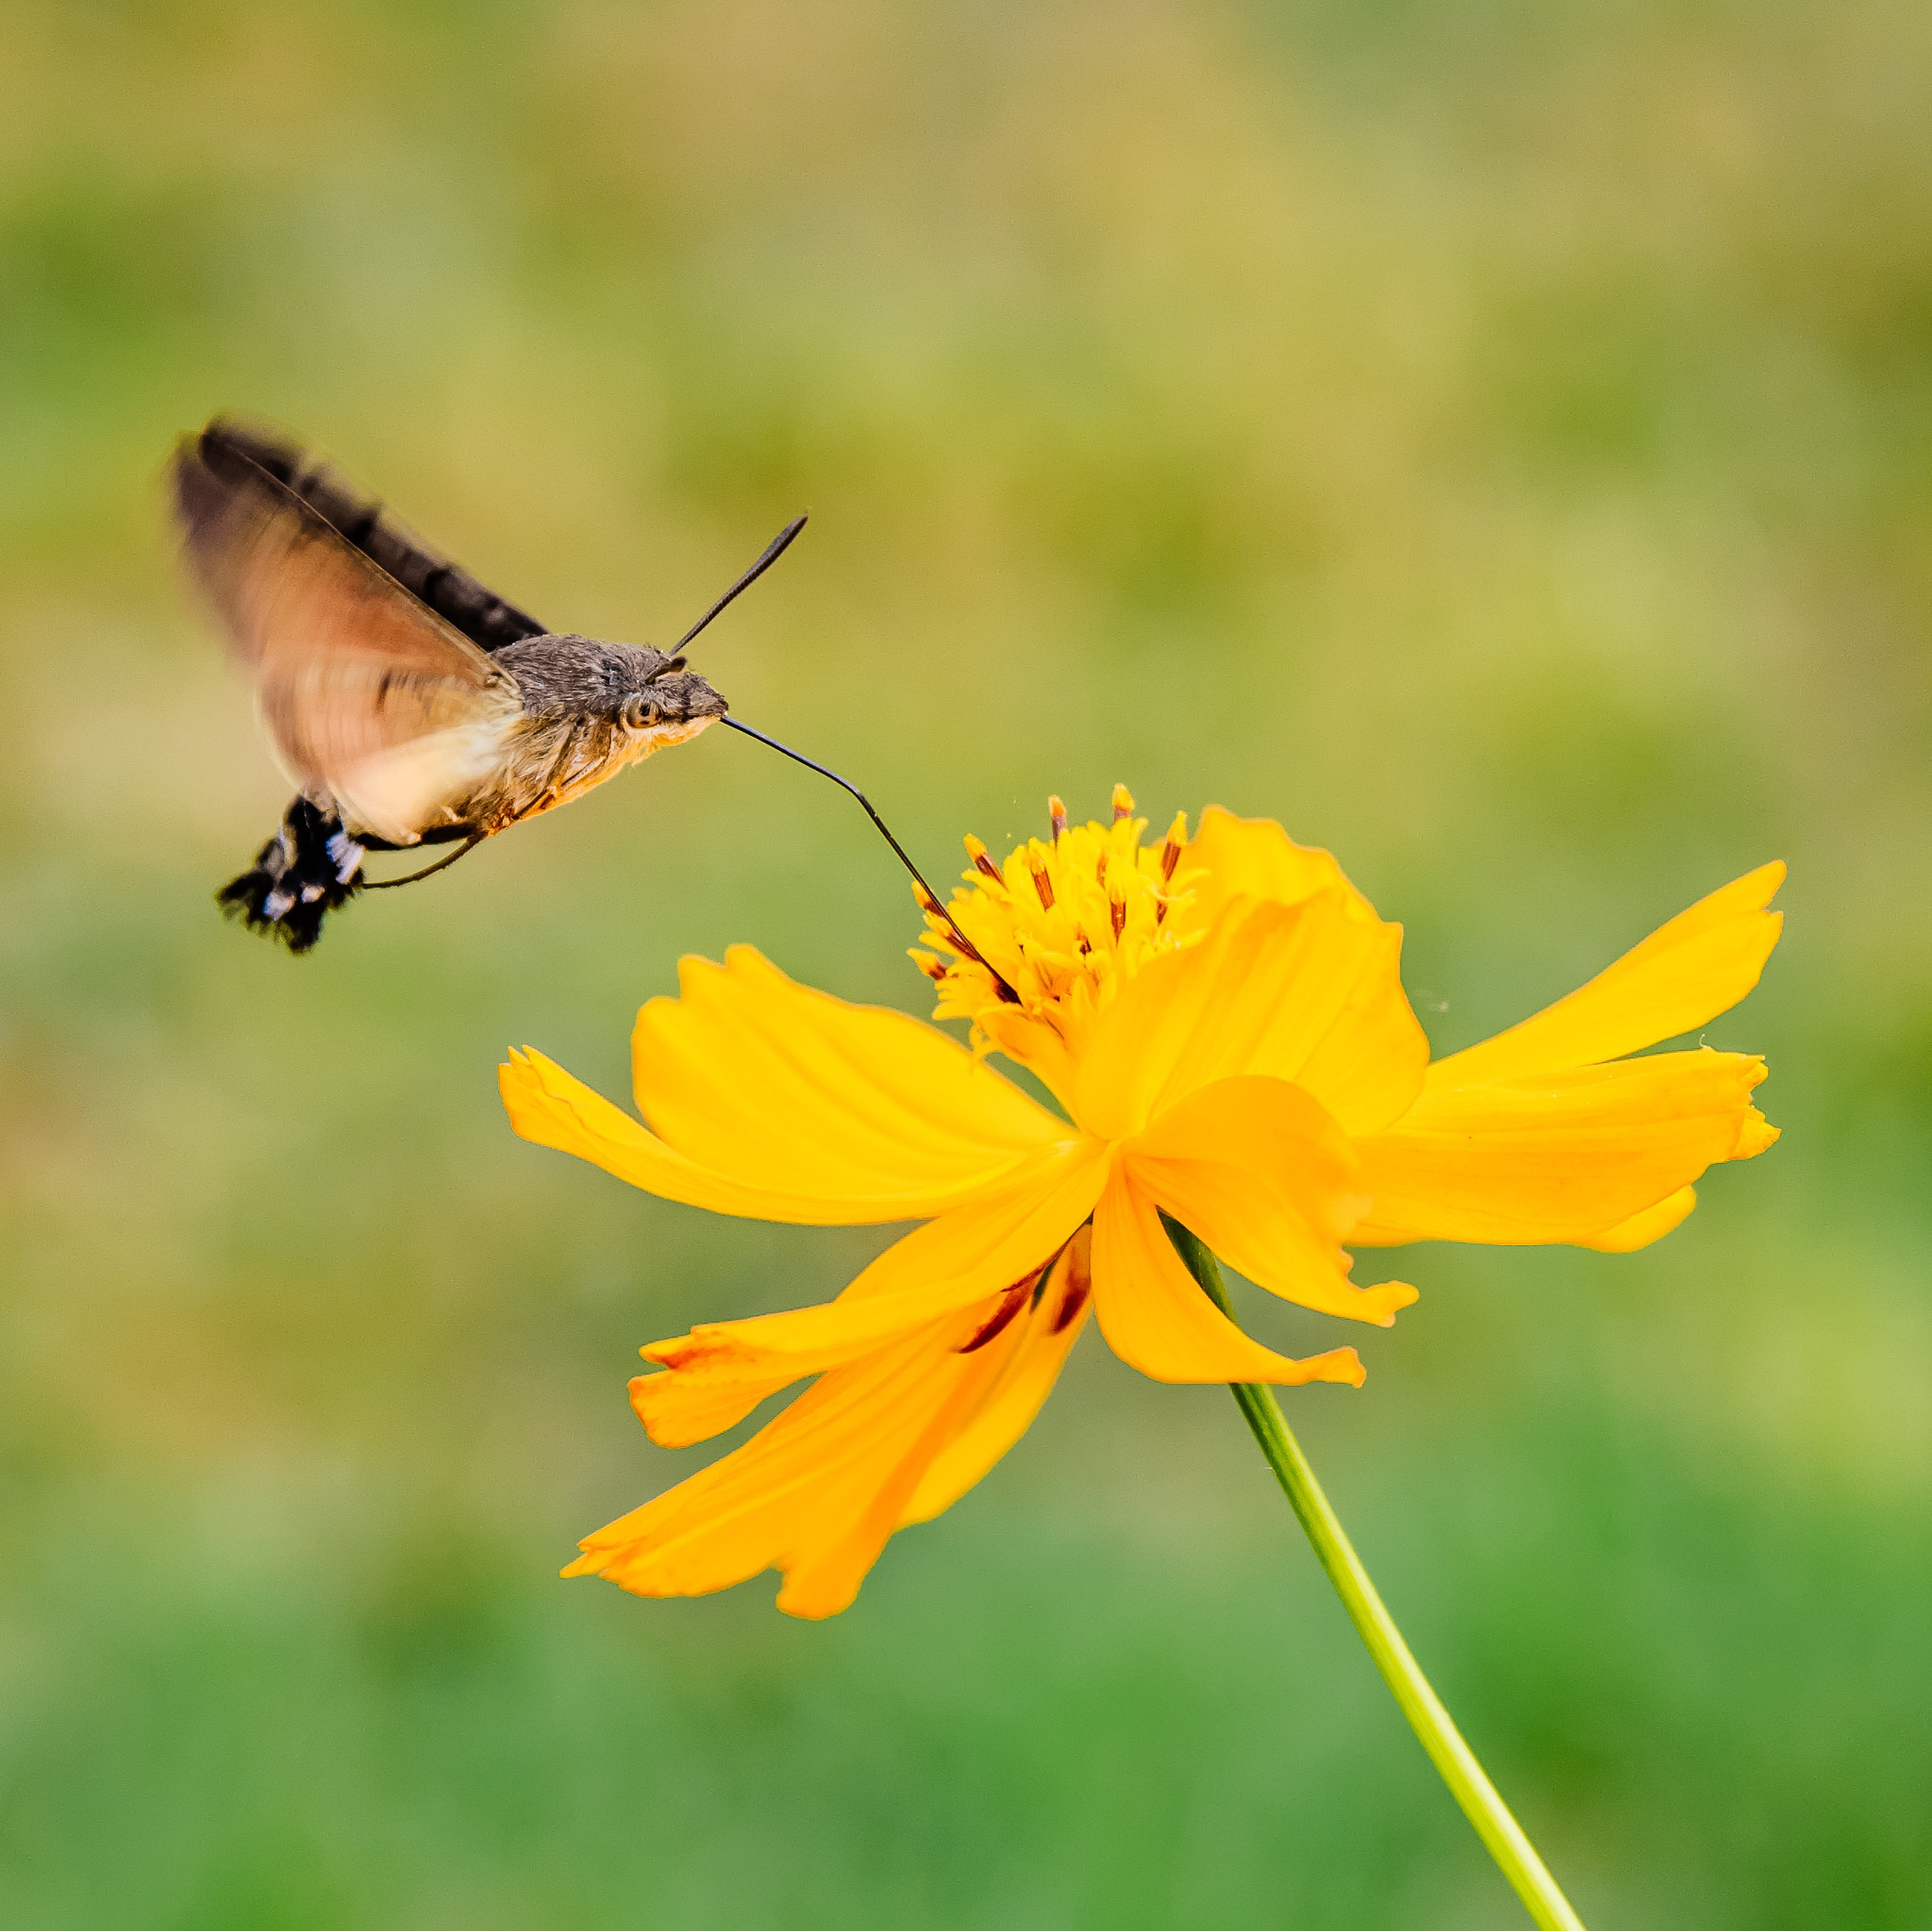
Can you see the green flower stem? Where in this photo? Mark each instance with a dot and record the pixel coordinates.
(1451, 1756)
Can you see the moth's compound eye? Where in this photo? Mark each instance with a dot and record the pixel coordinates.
(639, 711)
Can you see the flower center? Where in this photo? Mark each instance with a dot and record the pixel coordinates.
(1053, 934)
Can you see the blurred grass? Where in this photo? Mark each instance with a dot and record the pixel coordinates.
(1496, 440)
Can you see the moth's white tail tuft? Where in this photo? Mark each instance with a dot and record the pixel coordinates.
(304, 872)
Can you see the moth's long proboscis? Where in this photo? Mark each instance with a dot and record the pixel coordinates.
(933, 901)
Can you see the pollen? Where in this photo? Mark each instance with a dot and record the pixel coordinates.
(1064, 922)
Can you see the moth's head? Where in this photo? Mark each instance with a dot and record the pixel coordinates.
(662, 691)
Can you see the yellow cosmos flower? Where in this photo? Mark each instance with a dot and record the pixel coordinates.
(1223, 1022)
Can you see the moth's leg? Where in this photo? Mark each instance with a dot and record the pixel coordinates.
(428, 871)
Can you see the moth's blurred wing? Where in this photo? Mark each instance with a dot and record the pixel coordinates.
(365, 692)
(486, 619)
(401, 793)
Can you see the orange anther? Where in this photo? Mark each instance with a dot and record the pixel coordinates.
(976, 852)
(1176, 843)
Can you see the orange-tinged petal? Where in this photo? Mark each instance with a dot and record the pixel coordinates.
(1234, 858)
(1156, 1318)
(817, 1490)
(819, 1581)
(717, 1374)
(780, 1087)
(1310, 993)
(1566, 1156)
(1261, 1171)
(1685, 974)
(726, 1522)
(720, 1372)
(1007, 1410)
(1641, 1229)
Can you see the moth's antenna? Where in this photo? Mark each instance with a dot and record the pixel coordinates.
(773, 550)
(933, 903)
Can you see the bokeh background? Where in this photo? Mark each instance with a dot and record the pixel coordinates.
(1494, 437)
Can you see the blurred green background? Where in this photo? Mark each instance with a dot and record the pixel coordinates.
(1494, 438)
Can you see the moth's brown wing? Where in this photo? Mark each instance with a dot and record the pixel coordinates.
(489, 621)
(368, 696)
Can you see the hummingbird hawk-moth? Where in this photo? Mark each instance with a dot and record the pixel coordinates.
(407, 703)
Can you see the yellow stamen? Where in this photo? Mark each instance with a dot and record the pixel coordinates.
(1176, 843)
(976, 852)
(1095, 914)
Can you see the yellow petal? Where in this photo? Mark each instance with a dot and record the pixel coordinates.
(1641, 1229)
(550, 1107)
(1156, 1318)
(720, 1372)
(1234, 858)
(1561, 1158)
(989, 1243)
(547, 1105)
(1258, 1170)
(778, 1086)
(1310, 993)
(1685, 974)
(1275, 1130)
(817, 1490)
(1031, 1042)
(1046, 1337)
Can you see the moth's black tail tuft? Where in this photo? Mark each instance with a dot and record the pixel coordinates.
(305, 872)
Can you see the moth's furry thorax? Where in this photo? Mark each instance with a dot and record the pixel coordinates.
(587, 677)
(588, 709)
